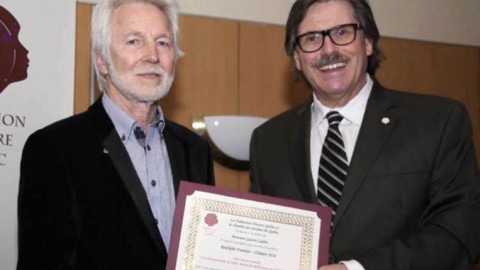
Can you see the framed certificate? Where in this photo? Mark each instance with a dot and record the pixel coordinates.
(217, 229)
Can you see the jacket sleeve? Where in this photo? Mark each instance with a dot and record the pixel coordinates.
(254, 184)
(448, 236)
(47, 223)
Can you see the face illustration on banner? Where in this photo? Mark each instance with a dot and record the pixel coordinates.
(13, 55)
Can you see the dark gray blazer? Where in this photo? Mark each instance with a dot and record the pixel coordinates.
(412, 195)
(81, 204)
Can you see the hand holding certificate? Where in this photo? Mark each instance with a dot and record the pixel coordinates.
(219, 230)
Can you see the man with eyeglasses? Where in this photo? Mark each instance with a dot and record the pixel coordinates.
(398, 169)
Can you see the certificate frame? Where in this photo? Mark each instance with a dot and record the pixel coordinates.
(187, 189)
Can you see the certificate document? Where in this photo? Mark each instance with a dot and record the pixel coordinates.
(226, 230)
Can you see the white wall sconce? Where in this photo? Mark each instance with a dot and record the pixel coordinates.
(228, 136)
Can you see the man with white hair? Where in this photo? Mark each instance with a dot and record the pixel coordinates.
(98, 190)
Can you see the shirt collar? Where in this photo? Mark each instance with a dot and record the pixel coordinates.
(124, 124)
(353, 111)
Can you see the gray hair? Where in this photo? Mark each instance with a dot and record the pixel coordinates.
(101, 28)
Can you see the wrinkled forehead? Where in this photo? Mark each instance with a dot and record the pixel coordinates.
(128, 10)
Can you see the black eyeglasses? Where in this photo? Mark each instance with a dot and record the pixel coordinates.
(341, 35)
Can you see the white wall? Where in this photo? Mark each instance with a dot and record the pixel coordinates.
(446, 21)
(45, 96)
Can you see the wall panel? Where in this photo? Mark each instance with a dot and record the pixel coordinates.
(424, 67)
(206, 79)
(267, 84)
(82, 58)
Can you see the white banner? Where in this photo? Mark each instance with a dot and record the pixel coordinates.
(37, 51)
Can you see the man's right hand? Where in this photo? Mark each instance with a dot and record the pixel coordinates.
(334, 267)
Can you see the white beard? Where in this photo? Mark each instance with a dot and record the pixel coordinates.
(127, 90)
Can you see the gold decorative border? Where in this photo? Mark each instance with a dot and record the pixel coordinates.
(307, 224)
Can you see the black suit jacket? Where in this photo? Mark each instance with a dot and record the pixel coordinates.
(411, 198)
(81, 204)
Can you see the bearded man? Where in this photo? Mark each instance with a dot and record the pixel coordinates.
(98, 190)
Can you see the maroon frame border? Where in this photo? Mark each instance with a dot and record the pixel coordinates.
(187, 188)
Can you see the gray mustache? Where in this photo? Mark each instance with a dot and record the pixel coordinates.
(330, 59)
(150, 69)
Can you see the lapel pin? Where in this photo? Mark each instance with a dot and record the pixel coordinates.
(385, 120)
(105, 151)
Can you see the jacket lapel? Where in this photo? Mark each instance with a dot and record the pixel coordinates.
(114, 147)
(376, 127)
(177, 156)
(299, 150)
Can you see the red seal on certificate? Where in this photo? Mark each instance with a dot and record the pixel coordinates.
(211, 219)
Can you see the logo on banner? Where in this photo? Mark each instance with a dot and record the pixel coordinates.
(13, 55)
(13, 68)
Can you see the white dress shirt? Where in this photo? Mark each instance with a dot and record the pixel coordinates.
(349, 127)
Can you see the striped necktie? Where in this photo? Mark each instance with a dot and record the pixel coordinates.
(333, 167)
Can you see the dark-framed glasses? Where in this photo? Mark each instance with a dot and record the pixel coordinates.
(341, 35)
